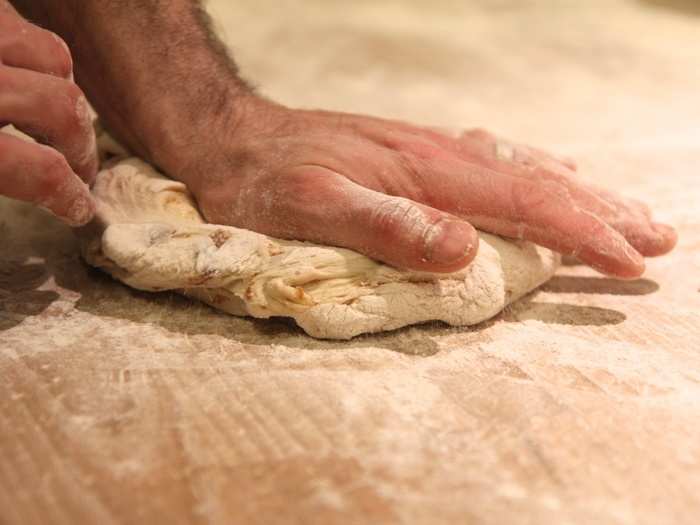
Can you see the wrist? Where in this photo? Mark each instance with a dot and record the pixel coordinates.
(175, 127)
(190, 146)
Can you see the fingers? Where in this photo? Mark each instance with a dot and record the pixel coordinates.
(530, 210)
(27, 46)
(501, 149)
(634, 220)
(631, 219)
(40, 175)
(651, 239)
(37, 96)
(7, 11)
(528, 155)
(407, 234)
(52, 110)
(316, 204)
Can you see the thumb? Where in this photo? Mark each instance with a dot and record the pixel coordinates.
(407, 234)
(336, 211)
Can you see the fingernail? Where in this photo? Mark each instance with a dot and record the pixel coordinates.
(81, 211)
(663, 229)
(668, 234)
(448, 241)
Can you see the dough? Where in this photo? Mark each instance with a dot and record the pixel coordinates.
(149, 234)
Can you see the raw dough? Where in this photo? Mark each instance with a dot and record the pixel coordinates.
(149, 234)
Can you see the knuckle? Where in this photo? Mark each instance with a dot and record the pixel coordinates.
(426, 150)
(19, 37)
(75, 115)
(413, 145)
(72, 92)
(411, 165)
(398, 217)
(526, 199)
(421, 172)
(507, 152)
(54, 172)
(544, 204)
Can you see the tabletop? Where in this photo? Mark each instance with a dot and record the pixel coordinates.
(578, 404)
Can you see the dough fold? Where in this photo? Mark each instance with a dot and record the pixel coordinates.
(149, 234)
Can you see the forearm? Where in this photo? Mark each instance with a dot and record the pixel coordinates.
(153, 70)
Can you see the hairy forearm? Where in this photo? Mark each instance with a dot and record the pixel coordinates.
(153, 70)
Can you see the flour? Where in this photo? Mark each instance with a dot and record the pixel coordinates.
(149, 234)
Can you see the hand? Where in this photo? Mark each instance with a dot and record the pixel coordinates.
(407, 195)
(38, 96)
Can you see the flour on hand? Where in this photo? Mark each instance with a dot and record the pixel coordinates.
(149, 234)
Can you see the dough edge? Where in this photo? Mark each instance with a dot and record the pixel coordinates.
(149, 234)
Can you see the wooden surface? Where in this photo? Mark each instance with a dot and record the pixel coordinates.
(579, 405)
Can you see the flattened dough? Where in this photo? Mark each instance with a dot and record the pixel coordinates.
(149, 234)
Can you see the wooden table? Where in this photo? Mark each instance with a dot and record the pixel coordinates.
(581, 404)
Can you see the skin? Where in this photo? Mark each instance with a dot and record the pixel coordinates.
(408, 195)
(38, 96)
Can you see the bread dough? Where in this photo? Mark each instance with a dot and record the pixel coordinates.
(149, 234)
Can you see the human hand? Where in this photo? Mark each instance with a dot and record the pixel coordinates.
(39, 97)
(407, 195)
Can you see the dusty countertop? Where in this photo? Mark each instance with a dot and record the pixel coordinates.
(580, 404)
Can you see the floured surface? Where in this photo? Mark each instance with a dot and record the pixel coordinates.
(580, 404)
(149, 234)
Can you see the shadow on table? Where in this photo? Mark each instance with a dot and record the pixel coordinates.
(562, 314)
(599, 285)
(101, 296)
(19, 294)
(55, 254)
(105, 297)
(178, 314)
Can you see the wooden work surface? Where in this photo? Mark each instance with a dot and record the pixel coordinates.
(581, 404)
